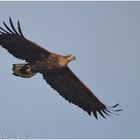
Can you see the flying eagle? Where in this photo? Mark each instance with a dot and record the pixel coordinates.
(53, 67)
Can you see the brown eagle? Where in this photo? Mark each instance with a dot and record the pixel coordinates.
(54, 69)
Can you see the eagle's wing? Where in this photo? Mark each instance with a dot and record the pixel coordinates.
(16, 44)
(72, 89)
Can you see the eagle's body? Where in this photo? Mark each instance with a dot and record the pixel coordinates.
(54, 69)
(48, 64)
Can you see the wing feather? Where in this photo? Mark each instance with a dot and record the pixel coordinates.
(8, 28)
(3, 31)
(19, 29)
(16, 44)
(73, 90)
(11, 23)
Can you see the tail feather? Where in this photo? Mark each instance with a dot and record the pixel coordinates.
(23, 71)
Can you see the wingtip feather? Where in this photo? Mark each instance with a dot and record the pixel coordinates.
(19, 29)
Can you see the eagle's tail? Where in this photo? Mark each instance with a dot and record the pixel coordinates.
(23, 70)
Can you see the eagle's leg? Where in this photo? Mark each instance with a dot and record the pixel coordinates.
(23, 70)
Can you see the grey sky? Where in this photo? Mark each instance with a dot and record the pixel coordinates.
(105, 38)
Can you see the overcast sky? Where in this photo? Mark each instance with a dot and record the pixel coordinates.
(105, 38)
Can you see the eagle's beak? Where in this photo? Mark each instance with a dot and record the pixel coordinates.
(73, 57)
(70, 58)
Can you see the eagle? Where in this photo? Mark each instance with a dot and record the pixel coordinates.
(54, 69)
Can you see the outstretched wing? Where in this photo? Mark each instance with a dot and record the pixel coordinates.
(15, 43)
(73, 90)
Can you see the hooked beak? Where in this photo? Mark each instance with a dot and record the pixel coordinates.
(73, 57)
(70, 58)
